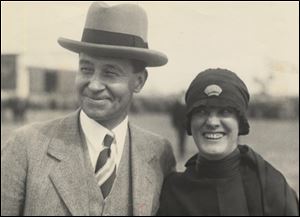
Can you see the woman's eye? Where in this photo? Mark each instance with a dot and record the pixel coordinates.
(202, 112)
(227, 112)
(86, 70)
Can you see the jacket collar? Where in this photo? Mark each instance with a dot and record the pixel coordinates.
(66, 147)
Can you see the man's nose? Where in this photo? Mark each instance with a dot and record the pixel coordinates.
(96, 84)
(212, 122)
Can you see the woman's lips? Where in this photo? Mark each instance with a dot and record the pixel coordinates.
(213, 135)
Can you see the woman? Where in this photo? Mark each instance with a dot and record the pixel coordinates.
(224, 178)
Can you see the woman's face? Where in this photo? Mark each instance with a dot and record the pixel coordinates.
(215, 131)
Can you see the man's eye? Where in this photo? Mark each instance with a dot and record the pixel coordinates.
(110, 73)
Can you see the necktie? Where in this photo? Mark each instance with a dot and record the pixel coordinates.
(105, 170)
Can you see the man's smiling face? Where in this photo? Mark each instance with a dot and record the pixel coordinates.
(106, 86)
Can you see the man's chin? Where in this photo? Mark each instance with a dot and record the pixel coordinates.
(95, 114)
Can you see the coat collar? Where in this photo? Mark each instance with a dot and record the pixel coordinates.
(66, 138)
(66, 147)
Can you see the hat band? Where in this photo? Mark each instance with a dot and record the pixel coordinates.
(112, 38)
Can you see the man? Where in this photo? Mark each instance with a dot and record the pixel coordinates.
(94, 161)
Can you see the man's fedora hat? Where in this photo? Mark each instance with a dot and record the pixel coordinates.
(116, 31)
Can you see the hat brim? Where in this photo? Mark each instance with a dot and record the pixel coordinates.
(151, 58)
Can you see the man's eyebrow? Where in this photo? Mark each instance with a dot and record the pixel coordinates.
(86, 62)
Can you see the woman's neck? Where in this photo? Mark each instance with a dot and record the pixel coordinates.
(226, 167)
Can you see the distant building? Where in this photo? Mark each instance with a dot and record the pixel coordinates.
(43, 87)
(52, 87)
(8, 71)
(9, 74)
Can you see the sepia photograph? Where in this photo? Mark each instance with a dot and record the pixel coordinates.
(144, 108)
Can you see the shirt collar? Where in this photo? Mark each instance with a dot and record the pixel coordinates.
(95, 132)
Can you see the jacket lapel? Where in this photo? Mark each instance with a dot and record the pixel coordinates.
(143, 184)
(68, 175)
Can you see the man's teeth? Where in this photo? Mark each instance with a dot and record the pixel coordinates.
(213, 135)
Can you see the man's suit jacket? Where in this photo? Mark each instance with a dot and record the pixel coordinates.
(42, 170)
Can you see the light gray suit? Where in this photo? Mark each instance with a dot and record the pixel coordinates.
(45, 170)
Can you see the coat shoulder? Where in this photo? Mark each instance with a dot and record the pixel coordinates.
(278, 195)
(175, 180)
(33, 136)
(265, 168)
(154, 145)
(154, 140)
(148, 134)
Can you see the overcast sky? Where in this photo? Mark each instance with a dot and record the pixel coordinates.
(253, 39)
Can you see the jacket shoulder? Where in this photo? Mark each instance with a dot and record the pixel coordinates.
(148, 134)
(155, 141)
(32, 136)
(175, 180)
(279, 197)
(155, 145)
(265, 168)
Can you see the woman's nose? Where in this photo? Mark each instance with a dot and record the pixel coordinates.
(212, 122)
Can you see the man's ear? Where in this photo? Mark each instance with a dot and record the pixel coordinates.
(140, 80)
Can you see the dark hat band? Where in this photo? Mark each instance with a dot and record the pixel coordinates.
(112, 38)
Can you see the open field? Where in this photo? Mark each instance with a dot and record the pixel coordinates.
(276, 140)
